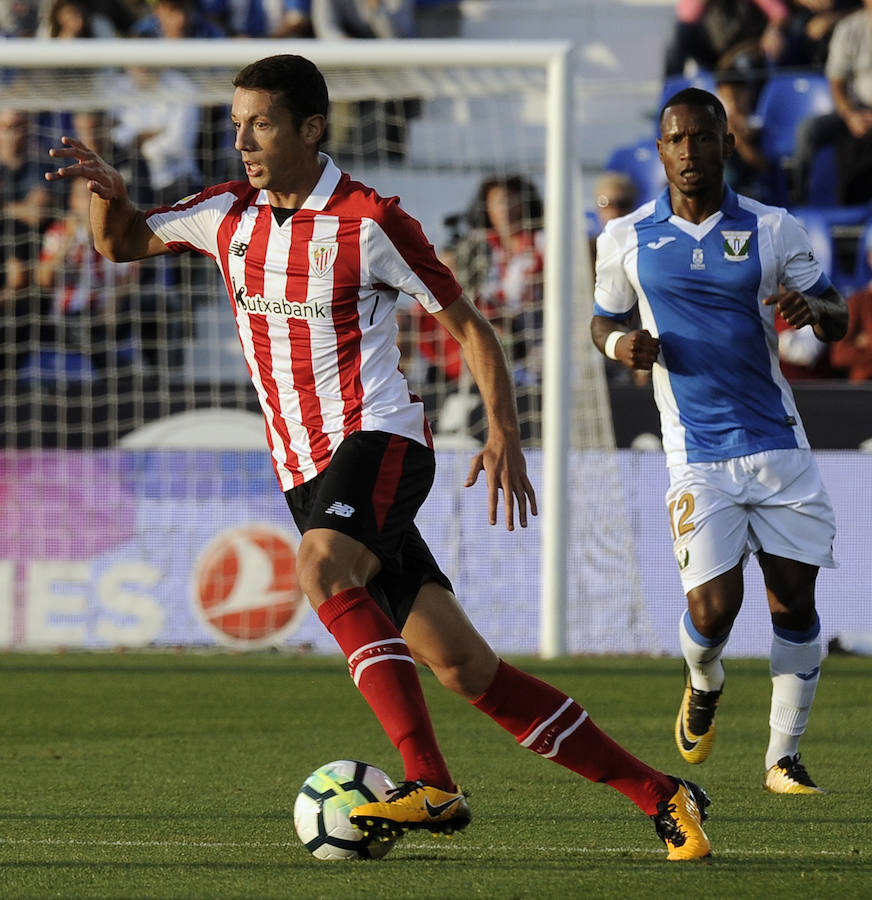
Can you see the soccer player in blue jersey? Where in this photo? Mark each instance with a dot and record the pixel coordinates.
(708, 270)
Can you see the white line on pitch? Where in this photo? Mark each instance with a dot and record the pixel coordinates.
(417, 845)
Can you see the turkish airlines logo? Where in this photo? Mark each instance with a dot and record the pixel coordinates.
(245, 587)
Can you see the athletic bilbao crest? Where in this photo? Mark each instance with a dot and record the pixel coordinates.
(322, 255)
(737, 245)
(245, 587)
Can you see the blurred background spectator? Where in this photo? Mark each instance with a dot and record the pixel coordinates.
(74, 19)
(849, 126)
(19, 18)
(437, 18)
(614, 194)
(165, 133)
(89, 296)
(705, 30)
(260, 18)
(378, 127)
(854, 352)
(176, 19)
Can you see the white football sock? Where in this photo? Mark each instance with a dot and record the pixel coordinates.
(795, 665)
(702, 655)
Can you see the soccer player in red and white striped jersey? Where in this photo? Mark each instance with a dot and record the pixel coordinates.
(313, 262)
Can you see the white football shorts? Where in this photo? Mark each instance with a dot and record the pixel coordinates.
(721, 511)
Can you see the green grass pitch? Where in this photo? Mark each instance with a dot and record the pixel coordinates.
(174, 776)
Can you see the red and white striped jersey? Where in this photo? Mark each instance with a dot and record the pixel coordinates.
(315, 306)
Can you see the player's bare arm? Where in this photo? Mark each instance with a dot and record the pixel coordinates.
(827, 314)
(120, 230)
(501, 458)
(635, 349)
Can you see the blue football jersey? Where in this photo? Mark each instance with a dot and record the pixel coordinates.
(717, 381)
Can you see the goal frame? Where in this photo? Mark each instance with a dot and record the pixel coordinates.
(563, 214)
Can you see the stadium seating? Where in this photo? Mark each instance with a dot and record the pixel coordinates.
(641, 162)
(784, 102)
(862, 269)
(822, 224)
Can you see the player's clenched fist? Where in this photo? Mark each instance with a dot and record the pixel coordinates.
(638, 349)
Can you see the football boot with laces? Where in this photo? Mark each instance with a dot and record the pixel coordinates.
(695, 725)
(413, 805)
(678, 821)
(788, 776)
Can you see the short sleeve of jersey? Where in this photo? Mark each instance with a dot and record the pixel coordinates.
(614, 296)
(193, 223)
(400, 255)
(800, 268)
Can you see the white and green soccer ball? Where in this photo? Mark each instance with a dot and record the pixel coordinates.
(325, 801)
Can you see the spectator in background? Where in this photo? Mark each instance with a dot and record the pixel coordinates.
(738, 85)
(614, 194)
(73, 19)
(260, 18)
(164, 129)
(88, 293)
(24, 193)
(368, 129)
(849, 127)
(504, 260)
(810, 27)
(854, 352)
(26, 204)
(19, 18)
(705, 30)
(438, 18)
(175, 19)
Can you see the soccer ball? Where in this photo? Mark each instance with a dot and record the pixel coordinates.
(324, 803)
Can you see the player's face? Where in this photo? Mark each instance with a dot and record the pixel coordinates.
(273, 149)
(693, 148)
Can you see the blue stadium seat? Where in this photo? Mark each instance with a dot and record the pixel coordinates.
(56, 366)
(823, 185)
(862, 269)
(784, 102)
(819, 222)
(641, 162)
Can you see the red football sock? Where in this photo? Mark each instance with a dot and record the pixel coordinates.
(383, 669)
(549, 723)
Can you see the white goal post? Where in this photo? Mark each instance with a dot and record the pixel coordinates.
(529, 90)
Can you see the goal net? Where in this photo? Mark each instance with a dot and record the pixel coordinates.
(105, 363)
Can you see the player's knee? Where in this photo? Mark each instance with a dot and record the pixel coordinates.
(316, 572)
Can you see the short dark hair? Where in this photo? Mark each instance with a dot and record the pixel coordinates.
(692, 96)
(296, 79)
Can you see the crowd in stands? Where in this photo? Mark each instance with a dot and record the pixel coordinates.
(795, 77)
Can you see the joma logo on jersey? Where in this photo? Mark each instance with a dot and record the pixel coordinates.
(278, 306)
(322, 255)
(737, 245)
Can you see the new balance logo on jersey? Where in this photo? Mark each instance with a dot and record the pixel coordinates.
(660, 242)
(340, 509)
(238, 248)
(278, 305)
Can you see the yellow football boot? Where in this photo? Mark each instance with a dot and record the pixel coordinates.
(679, 821)
(695, 724)
(412, 806)
(788, 776)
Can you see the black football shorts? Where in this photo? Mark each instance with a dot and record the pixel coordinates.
(372, 490)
